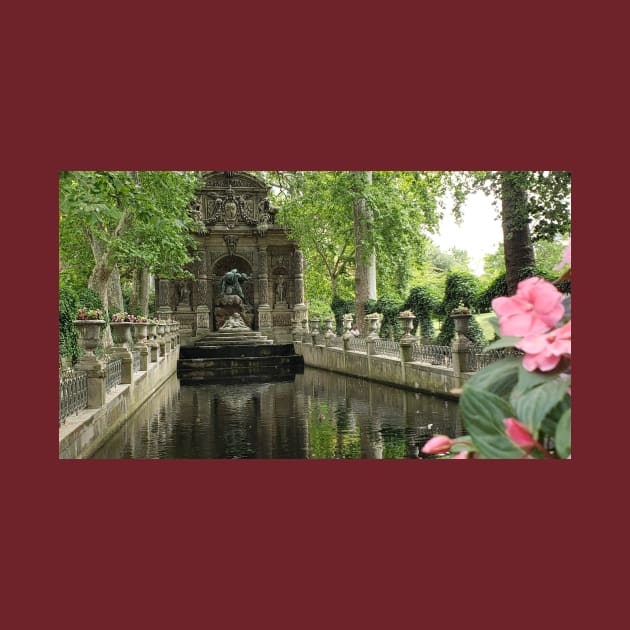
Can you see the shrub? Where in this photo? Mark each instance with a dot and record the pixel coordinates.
(340, 308)
(460, 290)
(423, 302)
(68, 337)
(389, 308)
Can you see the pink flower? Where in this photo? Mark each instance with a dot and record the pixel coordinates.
(462, 455)
(536, 307)
(437, 445)
(519, 434)
(566, 257)
(543, 352)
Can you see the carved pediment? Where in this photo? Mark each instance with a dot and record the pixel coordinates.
(233, 197)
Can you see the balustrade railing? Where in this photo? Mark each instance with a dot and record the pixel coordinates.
(73, 393)
(478, 359)
(113, 373)
(336, 342)
(358, 344)
(387, 347)
(433, 355)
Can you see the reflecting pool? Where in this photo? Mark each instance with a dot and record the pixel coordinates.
(316, 415)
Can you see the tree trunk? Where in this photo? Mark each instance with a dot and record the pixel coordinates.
(519, 251)
(362, 254)
(140, 291)
(114, 291)
(99, 281)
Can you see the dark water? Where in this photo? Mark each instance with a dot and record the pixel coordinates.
(319, 415)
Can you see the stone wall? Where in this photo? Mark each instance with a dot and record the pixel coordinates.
(81, 435)
(420, 377)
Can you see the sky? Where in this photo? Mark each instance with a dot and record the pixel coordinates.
(479, 233)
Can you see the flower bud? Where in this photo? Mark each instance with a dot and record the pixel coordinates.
(519, 434)
(438, 445)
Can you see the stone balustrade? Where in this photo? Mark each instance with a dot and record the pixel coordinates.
(114, 386)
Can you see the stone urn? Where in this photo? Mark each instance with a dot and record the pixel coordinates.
(314, 326)
(347, 324)
(152, 329)
(461, 321)
(121, 334)
(89, 333)
(372, 321)
(407, 320)
(139, 332)
(329, 327)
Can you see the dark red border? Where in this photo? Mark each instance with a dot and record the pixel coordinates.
(299, 544)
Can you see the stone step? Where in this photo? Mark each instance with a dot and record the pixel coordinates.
(243, 350)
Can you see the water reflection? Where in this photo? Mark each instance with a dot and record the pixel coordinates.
(318, 415)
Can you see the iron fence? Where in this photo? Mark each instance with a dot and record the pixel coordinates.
(434, 355)
(387, 347)
(113, 373)
(335, 342)
(73, 393)
(358, 344)
(478, 359)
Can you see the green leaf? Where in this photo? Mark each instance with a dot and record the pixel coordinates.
(483, 414)
(504, 342)
(533, 407)
(563, 435)
(498, 378)
(526, 381)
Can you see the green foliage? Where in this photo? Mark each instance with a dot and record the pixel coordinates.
(505, 389)
(390, 309)
(89, 298)
(68, 337)
(498, 287)
(340, 308)
(423, 302)
(128, 219)
(461, 288)
(319, 309)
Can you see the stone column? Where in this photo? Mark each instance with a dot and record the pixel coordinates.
(202, 311)
(164, 308)
(141, 345)
(265, 323)
(299, 278)
(462, 345)
(406, 350)
(96, 380)
(299, 307)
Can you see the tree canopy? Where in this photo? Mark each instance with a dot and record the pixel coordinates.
(124, 219)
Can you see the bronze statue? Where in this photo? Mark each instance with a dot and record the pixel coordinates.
(230, 283)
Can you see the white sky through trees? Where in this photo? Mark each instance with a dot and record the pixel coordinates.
(479, 233)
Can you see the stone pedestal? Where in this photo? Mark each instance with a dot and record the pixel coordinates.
(126, 359)
(96, 380)
(406, 349)
(203, 320)
(265, 322)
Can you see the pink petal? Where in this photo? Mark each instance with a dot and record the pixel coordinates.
(518, 433)
(437, 445)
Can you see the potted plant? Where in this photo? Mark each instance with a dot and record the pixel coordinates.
(89, 323)
(120, 326)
